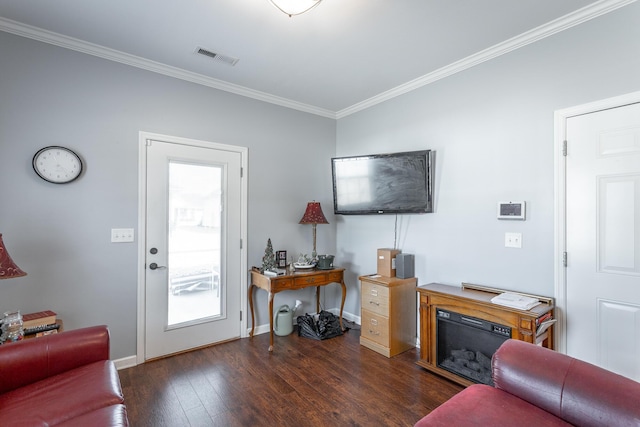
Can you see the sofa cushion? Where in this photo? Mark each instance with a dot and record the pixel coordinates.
(61, 397)
(111, 416)
(485, 406)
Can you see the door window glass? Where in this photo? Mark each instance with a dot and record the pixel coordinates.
(195, 206)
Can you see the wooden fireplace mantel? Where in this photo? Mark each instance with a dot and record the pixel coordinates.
(475, 301)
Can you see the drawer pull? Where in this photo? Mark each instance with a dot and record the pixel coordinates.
(374, 332)
(374, 322)
(374, 292)
(373, 302)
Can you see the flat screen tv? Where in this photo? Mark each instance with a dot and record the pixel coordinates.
(394, 183)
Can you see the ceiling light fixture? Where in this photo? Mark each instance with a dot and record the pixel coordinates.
(295, 7)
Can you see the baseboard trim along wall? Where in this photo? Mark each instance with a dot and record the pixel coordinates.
(130, 361)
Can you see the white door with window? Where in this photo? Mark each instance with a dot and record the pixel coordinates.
(603, 238)
(193, 257)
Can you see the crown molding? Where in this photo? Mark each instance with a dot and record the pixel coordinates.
(563, 23)
(71, 43)
(587, 13)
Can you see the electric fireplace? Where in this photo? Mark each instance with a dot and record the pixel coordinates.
(465, 344)
(465, 319)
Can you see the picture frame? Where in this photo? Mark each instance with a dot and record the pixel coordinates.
(281, 259)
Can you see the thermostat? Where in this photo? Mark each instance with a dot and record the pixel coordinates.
(511, 210)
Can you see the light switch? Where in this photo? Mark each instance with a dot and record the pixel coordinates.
(122, 235)
(513, 240)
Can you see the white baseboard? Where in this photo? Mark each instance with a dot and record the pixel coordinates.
(346, 315)
(131, 361)
(263, 329)
(126, 362)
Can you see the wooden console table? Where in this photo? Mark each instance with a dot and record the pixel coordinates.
(474, 301)
(291, 281)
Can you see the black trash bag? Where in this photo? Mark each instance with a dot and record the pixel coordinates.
(327, 326)
(307, 327)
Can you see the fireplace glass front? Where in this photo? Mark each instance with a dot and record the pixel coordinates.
(466, 344)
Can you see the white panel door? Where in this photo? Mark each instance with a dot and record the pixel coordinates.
(193, 247)
(603, 238)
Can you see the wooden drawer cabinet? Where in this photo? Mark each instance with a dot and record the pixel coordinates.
(377, 328)
(388, 314)
(375, 298)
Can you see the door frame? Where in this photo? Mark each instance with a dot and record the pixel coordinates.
(142, 226)
(560, 209)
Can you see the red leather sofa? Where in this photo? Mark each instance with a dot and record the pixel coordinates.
(535, 386)
(64, 379)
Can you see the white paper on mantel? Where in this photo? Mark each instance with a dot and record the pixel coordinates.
(514, 300)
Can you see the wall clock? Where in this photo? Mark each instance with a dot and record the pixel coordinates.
(58, 165)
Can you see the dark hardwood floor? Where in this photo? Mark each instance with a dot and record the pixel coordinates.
(334, 382)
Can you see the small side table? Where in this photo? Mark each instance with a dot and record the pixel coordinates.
(291, 281)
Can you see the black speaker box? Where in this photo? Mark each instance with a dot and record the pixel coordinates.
(405, 266)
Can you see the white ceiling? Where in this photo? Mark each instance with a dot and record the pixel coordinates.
(340, 57)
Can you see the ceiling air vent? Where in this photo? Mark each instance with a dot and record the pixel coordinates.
(229, 60)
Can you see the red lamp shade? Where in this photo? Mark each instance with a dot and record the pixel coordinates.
(313, 214)
(8, 268)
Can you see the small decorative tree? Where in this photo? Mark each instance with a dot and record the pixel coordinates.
(269, 258)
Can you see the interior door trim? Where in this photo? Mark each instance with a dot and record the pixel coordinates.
(560, 211)
(143, 137)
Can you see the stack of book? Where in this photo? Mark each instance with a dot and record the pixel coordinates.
(40, 323)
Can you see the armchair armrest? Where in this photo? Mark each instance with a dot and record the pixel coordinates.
(531, 374)
(576, 391)
(32, 360)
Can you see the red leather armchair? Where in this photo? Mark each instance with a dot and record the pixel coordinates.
(63, 379)
(535, 386)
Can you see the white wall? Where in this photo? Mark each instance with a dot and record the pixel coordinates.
(492, 129)
(60, 234)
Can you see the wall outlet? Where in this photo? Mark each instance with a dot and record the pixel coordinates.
(513, 240)
(122, 235)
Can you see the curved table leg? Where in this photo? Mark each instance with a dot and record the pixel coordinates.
(344, 296)
(317, 299)
(253, 319)
(270, 321)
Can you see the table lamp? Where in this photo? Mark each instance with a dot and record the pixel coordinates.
(314, 216)
(8, 268)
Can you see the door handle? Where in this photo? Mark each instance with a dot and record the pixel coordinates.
(154, 266)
